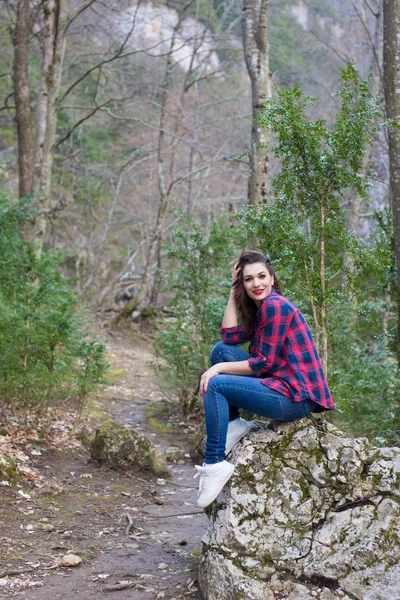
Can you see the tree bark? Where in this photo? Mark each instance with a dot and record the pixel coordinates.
(256, 53)
(22, 97)
(324, 325)
(52, 39)
(391, 67)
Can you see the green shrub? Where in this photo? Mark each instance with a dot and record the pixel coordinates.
(47, 352)
(197, 278)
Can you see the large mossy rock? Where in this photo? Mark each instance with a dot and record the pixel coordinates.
(122, 448)
(309, 514)
(9, 471)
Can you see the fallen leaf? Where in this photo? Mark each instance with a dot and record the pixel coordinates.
(24, 495)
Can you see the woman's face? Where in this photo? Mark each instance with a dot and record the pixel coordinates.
(257, 282)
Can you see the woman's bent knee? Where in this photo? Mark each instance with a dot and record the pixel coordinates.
(215, 356)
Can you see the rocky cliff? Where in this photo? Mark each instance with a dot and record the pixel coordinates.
(153, 27)
(309, 514)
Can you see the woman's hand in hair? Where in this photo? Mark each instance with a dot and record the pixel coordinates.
(205, 378)
(235, 273)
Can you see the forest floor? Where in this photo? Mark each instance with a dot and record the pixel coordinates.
(138, 535)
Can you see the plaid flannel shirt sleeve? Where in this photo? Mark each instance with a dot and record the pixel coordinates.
(234, 335)
(274, 325)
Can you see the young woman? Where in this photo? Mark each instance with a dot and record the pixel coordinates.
(281, 377)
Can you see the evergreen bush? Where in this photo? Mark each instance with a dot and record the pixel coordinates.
(198, 279)
(47, 352)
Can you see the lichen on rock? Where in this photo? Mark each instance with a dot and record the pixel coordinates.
(9, 471)
(122, 448)
(309, 513)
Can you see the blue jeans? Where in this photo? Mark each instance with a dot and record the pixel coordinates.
(227, 393)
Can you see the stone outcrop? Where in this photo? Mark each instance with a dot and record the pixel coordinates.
(153, 26)
(122, 448)
(309, 513)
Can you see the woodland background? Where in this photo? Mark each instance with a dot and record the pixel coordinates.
(128, 130)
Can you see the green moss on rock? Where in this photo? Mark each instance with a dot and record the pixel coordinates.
(122, 448)
(8, 469)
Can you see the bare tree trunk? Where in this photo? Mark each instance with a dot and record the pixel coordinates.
(324, 328)
(375, 72)
(391, 65)
(256, 53)
(53, 39)
(22, 97)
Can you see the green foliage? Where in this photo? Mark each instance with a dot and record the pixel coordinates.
(336, 279)
(197, 280)
(318, 166)
(293, 47)
(97, 144)
(47, 351)
(203, 10)
(7, 127)
(363, 373)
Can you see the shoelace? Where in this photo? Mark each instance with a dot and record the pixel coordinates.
(200, 472)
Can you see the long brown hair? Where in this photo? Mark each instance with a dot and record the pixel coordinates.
(246, 306)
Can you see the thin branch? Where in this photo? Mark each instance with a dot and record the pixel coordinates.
(380, 8)
(6, 105)
(155, 128)
(370, 39)
(117, 56)
(82, 120)
(345, 60)
(379, 180)
(194, 172)
(90, 114)
(78, 12)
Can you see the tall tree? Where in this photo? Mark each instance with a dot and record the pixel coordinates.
(305, 225)
(53, 20)
(50, 20)
(22, 32)
(391, 66)
(35, 150)
(256, 53)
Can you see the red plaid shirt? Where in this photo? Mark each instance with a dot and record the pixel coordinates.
(283, 352)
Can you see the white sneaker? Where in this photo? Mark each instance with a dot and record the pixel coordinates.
(212, 480)
(236, 430)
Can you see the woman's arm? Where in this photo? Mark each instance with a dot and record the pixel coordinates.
(230, 316)
(240, 367)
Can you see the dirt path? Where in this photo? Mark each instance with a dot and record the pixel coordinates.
(111, 520)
